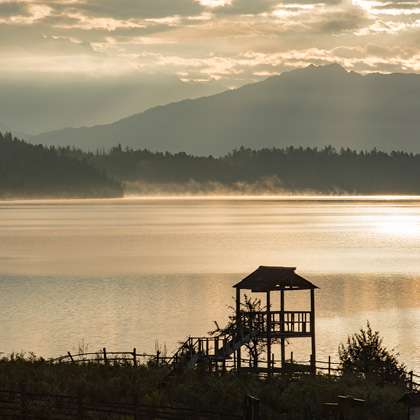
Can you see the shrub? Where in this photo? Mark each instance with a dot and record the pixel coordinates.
(365, 356)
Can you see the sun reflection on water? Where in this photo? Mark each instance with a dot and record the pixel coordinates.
(398, 225)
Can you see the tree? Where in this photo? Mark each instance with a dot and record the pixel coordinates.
(255, 347)
(364, 355)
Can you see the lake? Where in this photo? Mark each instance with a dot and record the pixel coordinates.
(147, 272)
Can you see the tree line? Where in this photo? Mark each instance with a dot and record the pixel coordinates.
(28, 170)
(295, 169)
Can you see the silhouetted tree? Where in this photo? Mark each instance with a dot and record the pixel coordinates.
(254, 347)
(365, 355)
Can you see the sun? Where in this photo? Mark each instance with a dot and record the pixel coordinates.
(399, 226)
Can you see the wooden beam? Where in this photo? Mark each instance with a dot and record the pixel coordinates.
(268, 332)
(282, 339)
(238, 326)
(313, 344)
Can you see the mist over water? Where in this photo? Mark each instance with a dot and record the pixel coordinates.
(125, 273)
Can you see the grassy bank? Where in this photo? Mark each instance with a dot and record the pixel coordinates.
(298, 399)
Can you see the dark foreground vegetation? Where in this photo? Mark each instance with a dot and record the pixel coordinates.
(294, 398)
(35, 171)
(369, 372)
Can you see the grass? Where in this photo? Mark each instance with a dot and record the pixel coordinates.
(300, 398)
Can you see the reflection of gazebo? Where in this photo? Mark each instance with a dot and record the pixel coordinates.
(276, 326)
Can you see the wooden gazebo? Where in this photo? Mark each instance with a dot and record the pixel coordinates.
(275, 326)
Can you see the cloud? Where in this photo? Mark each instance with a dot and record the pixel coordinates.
(22, 13)
(214, 3)
(203, 42)
(339, 21)
(13, 8)
(131, 9)
(246, 7)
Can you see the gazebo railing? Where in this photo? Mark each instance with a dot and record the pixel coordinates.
(288, 322)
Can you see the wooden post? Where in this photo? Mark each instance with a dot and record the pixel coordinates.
(411, 386)
(216, 349)
(268, 333)
(251, 408)
(282, 331)
(71, 357)
(23, 401)
(313, 346)
(80, 411)
(291, 357)
(105, 358)
(329, 366)
(238, 327)
(136, 407)
(312, 363)
(134, 357)
(157, 357)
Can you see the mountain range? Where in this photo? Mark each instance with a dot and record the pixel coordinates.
(314, 106)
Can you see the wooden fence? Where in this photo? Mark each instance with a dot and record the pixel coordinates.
(333, 369)
(27, 405)
(114, 357)
(133, 358)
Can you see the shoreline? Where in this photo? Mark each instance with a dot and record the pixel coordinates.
(216, 197)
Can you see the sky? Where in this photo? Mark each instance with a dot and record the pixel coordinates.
(83, 62)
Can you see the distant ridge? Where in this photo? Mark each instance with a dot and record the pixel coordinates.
(313, 106)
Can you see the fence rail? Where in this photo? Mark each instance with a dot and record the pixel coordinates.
(117, 357)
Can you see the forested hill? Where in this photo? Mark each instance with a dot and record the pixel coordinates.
(28, 171)
(36, 171)
(245, 170)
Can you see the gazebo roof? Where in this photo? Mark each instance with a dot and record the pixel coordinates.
(266, 278)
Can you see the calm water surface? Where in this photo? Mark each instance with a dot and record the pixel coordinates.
(137, 272)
